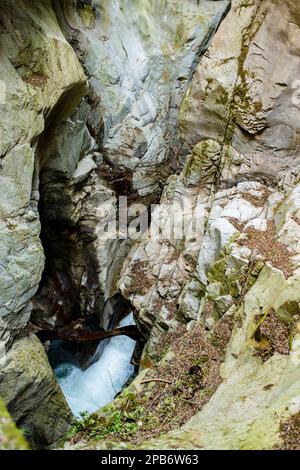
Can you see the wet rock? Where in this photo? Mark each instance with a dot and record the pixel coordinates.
(31, 393)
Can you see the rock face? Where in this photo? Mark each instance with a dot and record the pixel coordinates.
(31, 393)
(139, 59)
(69, 149)
(238, 107)
(230, 164)
(239, 122)
(10, 437)
(40, 72)
(239, 126)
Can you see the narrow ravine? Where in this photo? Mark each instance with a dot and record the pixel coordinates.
(97, 119)
(149, 226)
(90, 389)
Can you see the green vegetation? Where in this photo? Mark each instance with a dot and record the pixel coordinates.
(120, 420)
(11, 438)
(170, 393)
(99, 427)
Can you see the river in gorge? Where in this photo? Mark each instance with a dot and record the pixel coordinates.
(91, 389)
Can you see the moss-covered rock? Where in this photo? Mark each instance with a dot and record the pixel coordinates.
(31, 393)
(43, 81)
(11, 438)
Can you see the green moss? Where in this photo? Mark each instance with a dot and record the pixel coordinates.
(258, 320)
(118, 421)
(33, 66)
(97, 427)
(200, 160)
(238, 100)
(11, 438)
(180, 36)
(224, 99)
(246, 4)
(217, 271)
(231, 276)
(87, 14)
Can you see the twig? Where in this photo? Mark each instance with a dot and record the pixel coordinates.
(155, 380)
(163, 423)
(155, 399)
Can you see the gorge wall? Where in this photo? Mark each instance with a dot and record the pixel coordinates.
(68, 147)
(157, 101)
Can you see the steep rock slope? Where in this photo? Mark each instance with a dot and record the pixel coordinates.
(138, 58)
(64, 157)
(237, 281)
(40, 72)
(219, 307)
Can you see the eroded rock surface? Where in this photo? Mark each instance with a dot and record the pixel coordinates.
(234, 279)
(67, 149)
(39, 69)
(239, 126)
(139, 59)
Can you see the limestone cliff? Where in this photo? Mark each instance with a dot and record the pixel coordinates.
(42, 78)
(238, 279)
(66, 149)
(157, 101)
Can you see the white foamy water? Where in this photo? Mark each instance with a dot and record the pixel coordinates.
(90, 389)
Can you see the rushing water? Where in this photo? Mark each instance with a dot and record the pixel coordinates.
(90, 389)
